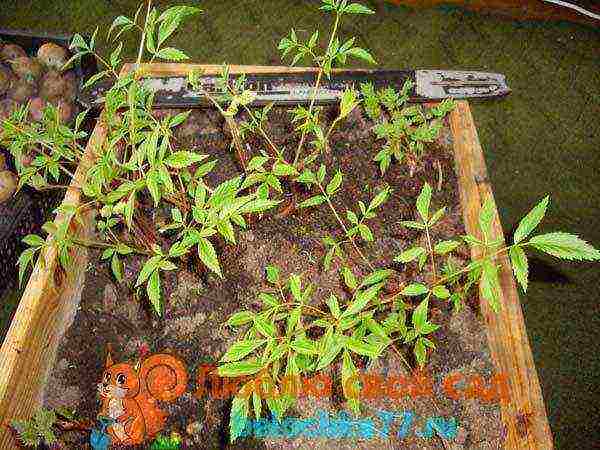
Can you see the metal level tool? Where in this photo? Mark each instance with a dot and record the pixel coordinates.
(298, 88)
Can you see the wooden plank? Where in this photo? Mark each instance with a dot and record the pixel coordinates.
(48, 303)
(524, 415)
(29, 348)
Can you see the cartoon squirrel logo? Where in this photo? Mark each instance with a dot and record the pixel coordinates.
(129, 396)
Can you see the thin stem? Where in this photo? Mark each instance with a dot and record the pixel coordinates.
(315, 89)
(431, 253)
(341, 222)
(143, 41)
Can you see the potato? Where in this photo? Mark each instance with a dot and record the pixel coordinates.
(27, 68)
(36, 108)
(7, 106)
(65, 110)
(6, 79)
(69, 79)
(52, 86)
(52, 55)
(8, 185)
(11, 51)
(22, 90)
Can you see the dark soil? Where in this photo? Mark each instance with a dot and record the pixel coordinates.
(196, 304)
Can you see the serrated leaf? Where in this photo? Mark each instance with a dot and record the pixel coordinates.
(486, 216)
(238, 416)
(241, 349)
(304, 346)
(334, 306)
(182, 159)
(264, 327)
(415, 289)
(531, 220)
(419, 315)
(361, 53)
(312, 201)
(444, 247)
(376, 277)
(440, 292)
(363, 348)
(208, 256)
(423, 202)
(283, 169)
(564, 245)
(239, 368)
(334, 184)
(171, 54)
(519, 264)
(350, 382)
(349, 278)
(409, 255)
(272, 274)
(333, 346)
(240, 318)
(153, 291)
(361, 299)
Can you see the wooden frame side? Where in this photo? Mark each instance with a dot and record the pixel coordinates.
(30, 346)
(524, 415)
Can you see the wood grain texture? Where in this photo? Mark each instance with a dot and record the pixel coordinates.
(525, 414)
(49, 301)
(29, 349)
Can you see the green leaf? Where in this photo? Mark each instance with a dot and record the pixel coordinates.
(149, 267)
(295, 287)
(531, 220)
(334, 184)
(241, 349)
(182, 159)
(268, 299)
(518, 260)
(153, 290)
(239, 368)
(441, 292)
(349, 278)
(116, 266)
(379, 199)
(363, 348)
(264, 327)
(333, 346)
(409, 255)
(362, 298)
(361, 53)
(357, 8)
(412, 224)
(305, 346)
(208, 256)
(350, 389)
(420, 352)
(423, 201)
(419, 315)
(272, 274)
(258, 205)
(365, 232)
(486, 216)
(415, 289)
(152, 183)
(238, 416)
(283, 170)
(23, 262)
(33, 240)
(334, 306)
(172, 54)
(444, 247)
(240, 318)
(376, 277)
(490, 284)
(375, 328)
(565, 245)
(312, 201)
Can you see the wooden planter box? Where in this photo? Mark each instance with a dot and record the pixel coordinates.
(52, 297)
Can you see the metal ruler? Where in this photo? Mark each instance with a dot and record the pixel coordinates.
(298, 88)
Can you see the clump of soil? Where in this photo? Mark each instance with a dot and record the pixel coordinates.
(197, 303)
